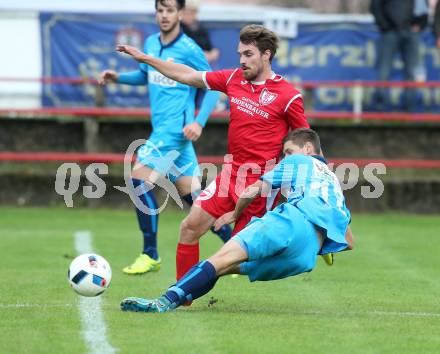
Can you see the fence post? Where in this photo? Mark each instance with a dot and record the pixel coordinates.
(358, 93)
(91, 136)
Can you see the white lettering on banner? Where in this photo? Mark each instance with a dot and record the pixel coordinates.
(248, 106)
(155, 77)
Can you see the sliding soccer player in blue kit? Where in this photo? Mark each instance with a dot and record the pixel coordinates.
(174, 124)
(285, 241)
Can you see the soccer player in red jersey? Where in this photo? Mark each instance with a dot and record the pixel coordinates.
(263, 108)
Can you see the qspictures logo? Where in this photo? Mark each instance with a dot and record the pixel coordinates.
(145, 153)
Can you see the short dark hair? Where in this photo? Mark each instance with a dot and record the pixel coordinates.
(179, 3)
(263, 38)
(301, 136)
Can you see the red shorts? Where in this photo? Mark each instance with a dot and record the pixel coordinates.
(222, 194)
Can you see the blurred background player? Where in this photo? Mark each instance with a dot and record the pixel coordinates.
(400, 23)
(284, 242)
(174, 126)
(195, 30)
(436, 24)
(264, 107)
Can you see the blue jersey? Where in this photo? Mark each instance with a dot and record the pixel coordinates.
(172, 104)
(315, 191)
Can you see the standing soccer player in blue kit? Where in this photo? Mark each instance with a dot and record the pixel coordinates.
(285, 241)
(174, 124)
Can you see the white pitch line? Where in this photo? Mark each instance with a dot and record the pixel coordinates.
(94, 328)
(320, 313)
(17, 306)
(404, 313)
(378, 313)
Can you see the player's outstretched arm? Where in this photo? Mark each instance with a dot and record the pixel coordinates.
(246, 198)
(136, 77)
(178, 72)
(108, 76)
(193, 130)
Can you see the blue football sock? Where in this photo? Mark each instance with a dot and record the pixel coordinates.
(189, 199)
(198, 281)
(224, 232)
(148, 223)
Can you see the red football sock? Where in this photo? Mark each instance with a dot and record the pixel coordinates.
(186, 257)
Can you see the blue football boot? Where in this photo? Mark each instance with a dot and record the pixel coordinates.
(138, 304)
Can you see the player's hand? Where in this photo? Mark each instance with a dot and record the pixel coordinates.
(107, 76)
(227, 218)
(192, 131)
(134, 52)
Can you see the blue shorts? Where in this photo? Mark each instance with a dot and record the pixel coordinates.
(280, 244)
(171, 155)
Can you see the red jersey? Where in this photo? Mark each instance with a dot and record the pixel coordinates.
(261, 115)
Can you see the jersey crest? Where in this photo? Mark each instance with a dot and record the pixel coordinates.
(267, 97)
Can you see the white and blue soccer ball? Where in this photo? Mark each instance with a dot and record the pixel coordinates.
(89, 274)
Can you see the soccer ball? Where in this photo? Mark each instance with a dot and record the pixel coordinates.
(89, 274)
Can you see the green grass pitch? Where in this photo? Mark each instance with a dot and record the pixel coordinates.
(384, 297)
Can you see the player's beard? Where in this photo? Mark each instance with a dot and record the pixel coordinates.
(250, 74)
(170, 29)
